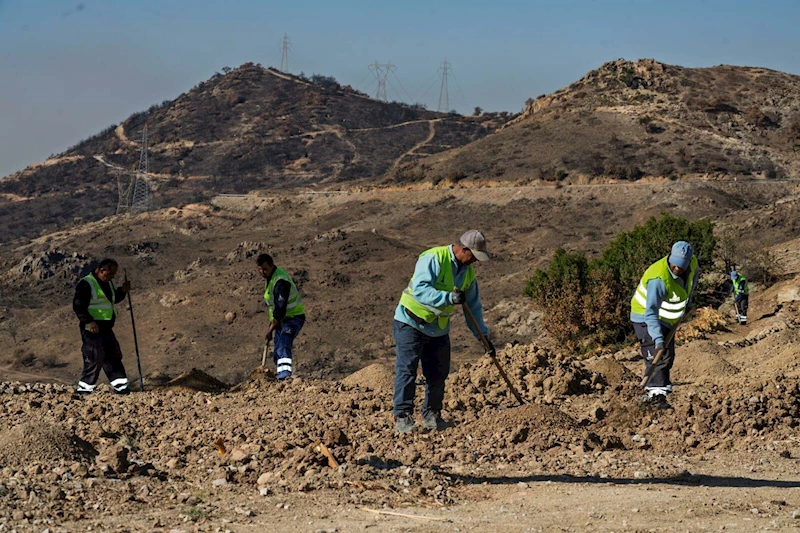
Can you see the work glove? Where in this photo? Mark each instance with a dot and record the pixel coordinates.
(491, 351)
(659, 346)
(457, 297)
(126, 286)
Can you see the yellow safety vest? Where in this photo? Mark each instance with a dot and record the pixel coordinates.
(444, 282)
(100, 307)
(293, 307)
(674, 305)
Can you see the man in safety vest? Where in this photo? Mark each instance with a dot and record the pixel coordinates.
(443, 279)
(660, 300)
(94, 301)
(286, 313)
(741, 296)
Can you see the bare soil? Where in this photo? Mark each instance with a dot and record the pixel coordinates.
(215, 444)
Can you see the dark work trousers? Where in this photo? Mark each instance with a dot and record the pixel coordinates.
(742, 305)
(434, 352)
(660, 375)
(285, 334)
(101, 351)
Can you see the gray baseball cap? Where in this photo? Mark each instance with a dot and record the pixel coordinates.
(476, 242)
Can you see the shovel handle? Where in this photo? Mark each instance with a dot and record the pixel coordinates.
(487, 346)
(264, 354)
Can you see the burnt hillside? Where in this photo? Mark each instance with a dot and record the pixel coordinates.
(628, 120)
(251, 128)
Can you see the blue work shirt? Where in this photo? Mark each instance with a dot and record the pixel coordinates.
(425, 273)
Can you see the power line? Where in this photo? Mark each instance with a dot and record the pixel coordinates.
(410, 100)
(381, 72)
(458, 86)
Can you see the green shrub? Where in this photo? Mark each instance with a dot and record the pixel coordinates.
(586, 302)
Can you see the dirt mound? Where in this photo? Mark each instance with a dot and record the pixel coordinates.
(702, 366)
(612, 370)
(535, 371)
(42, 442)
(375, 377)
(197, 380)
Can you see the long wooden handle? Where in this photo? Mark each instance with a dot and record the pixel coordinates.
(264, 355)
(135, 340)
(488, 348)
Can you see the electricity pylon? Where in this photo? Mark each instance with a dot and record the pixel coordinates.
(381, 71)
(285, 45)
(444, 94)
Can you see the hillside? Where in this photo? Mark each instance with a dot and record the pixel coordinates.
(628, 120)
(351, 254)
(248, 129)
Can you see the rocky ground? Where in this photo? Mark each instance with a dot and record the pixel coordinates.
(193, 454)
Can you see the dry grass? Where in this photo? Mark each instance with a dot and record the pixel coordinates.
(705, 321)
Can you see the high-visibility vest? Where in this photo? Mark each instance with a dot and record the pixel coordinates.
(444, 282)
(101, 307)
(738, 289)
(674, 305)
(293, 307)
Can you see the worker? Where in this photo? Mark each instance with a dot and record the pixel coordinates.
(443, 278)
(741, 296)
(660, 300)
(93, 303)
(286, 313)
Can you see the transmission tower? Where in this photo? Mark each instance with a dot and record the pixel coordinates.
(142, 199)
(444, 94)
(135, 191)
(381, 71)
(285, 44)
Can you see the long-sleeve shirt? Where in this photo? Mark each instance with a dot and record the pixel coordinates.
(281, 291)
(426, 271)
(656, 293)
(83, 297)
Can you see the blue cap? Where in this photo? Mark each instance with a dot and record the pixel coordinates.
(734, 275)
(681, 254)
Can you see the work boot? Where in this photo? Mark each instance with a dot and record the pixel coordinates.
(404, 424)
(656, 402)
(434, 420)
(284, 374)
(122, 392)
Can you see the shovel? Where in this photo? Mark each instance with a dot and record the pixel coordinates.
(487, 347)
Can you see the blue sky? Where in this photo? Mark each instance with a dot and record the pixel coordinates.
(70, 68)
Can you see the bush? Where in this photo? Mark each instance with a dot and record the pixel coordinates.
(588, 302)
(559, 291)
(49, 360)
(22, 358)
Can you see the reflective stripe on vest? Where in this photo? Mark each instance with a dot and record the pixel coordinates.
(445, 281)
(293, 307)
(100, 307)
(674, 305)
(740, 286)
